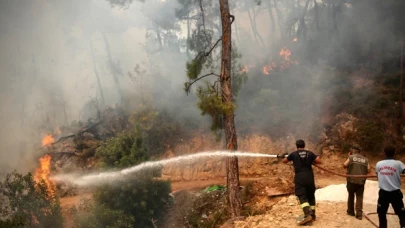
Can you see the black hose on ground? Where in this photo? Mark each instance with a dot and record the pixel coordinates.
(366, 214)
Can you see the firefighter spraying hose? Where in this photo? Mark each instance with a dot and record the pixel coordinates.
(389, 183)
(302, 160)
(304, 180)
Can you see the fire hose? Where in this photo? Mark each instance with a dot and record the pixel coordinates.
(366, 214)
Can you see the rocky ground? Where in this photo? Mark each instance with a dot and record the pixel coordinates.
(281, 211)
(329, 214)
(274, 211)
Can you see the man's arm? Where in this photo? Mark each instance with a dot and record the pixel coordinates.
(368, 168)
(346, 164)
(377, 167)
(318, 160)
(288, 158)
(402, 167)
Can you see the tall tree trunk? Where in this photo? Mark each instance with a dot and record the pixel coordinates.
(334, 12)
(96, 72)
(23, 90)
(64, 112)
(401, 88)
(279, 19)
(255, 26)
(302, 29)
(232, 167)
(112, 68)
(252, 26)
(271, 16)
(316, 16)
(159, 37)
(188, 36)
(330, 26)
(22, 94)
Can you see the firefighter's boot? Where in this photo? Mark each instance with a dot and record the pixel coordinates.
(313, 215)
(307, 218)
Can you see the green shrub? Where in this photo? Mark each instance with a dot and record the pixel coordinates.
(370, 134)
(123, 151)
(141, 197)
(137, 198)
(93, 215)
(26, 203)
(209, 209)
(158, 129)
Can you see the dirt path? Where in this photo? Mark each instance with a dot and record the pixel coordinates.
(67, 203)
(329, 214)
(322, 180)
(282, 213)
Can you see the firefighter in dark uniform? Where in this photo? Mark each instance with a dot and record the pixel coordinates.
(304, 179)
(356, 164)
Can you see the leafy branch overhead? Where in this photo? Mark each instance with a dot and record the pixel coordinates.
(187, 85)
(210, 97)
(210, 102)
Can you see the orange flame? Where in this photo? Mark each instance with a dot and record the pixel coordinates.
(246, 67)
(47, 140)
(286, 53)
(268, 68)
(42, 173)
(281, 64)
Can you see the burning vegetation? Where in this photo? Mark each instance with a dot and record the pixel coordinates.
(282, 62)
(48, 140)
(310, 49)
(42, 174)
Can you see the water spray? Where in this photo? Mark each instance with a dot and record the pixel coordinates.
(99, 178)
(103, 177)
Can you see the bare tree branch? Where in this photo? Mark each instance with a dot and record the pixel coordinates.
(232, 17)
(83, 130)
(154, 222)
(188, 86)
(202, 14)
(206, 54)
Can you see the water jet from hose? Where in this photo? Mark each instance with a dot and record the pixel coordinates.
(103, 177)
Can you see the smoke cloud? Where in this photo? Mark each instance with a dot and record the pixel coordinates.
(57, 57)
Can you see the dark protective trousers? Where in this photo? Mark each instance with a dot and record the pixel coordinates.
(395, 199)
(305, 189)
(358, 191)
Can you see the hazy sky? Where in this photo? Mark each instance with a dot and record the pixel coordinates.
(46, 61)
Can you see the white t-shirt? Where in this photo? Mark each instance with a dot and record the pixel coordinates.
(389, 174)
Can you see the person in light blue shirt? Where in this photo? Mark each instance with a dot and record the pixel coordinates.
(389, 173)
